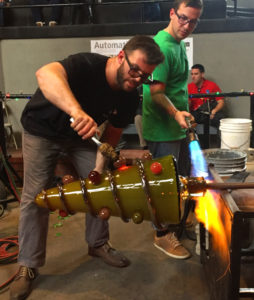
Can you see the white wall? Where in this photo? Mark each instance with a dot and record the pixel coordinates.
(242, 3)
(228, 58)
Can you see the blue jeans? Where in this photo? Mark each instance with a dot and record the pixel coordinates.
(40, 158)
(179, 149)
(159, 149)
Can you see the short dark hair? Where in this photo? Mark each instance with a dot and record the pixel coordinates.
(188, 3)
(148, 46)
(200, 67)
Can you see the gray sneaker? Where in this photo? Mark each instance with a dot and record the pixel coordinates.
(170, 245)
(21, 286)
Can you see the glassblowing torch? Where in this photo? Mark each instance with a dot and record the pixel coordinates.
(191, 132)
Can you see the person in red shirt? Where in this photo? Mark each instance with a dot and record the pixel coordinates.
(200, 108)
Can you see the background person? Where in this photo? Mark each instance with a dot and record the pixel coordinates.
(163, 123)
(199, 107)
(55, 12)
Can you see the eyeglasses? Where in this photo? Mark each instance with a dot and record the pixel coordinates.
(135, 72)
(183, 20)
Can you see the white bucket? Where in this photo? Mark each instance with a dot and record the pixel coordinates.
(235, 133)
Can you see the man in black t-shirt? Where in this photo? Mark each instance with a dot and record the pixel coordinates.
(91, 89)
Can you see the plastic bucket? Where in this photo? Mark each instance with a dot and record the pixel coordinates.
(235, 133)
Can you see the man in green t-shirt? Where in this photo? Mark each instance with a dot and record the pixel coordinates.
(165, 102)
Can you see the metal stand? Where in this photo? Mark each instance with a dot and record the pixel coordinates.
(2, 133)
(252, 118)
(8, 124)
(224, 277)
(232, 94)
(206, 124)
(207, 130)
(5, 166)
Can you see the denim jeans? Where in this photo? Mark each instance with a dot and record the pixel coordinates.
(40, 158)
(159, 149)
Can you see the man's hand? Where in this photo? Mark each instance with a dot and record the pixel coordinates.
(180, 117)
(218, 107)
(213, 112)
(84, 125)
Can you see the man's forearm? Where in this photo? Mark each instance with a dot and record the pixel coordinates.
(101, 162)
(219, 106)
(53, 82)
(164, 102)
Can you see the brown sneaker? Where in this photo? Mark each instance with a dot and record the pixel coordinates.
(21, 286)
(170, 245)
(109, 255)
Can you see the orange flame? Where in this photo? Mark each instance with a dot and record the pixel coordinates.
(210, 212)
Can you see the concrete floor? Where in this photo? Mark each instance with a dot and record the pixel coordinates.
(70, 273)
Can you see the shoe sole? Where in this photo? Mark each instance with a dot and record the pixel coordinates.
(171, 255)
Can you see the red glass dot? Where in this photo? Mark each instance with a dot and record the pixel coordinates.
(67, 179)
(63, 213)
(104, 213)
(95, 177)
(156, 168)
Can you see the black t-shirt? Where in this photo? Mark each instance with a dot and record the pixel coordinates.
(87, 80)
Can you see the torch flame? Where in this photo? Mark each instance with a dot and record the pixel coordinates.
(199, 165)
(208, 211)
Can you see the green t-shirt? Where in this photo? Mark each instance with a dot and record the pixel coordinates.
(158, 126)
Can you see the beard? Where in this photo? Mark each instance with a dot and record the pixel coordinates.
(120, 77)
(123, 83)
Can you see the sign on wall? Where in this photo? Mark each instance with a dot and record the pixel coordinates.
(107, 47)
(189, 50)
(113, 47)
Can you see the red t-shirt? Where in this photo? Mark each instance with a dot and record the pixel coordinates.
(208, 87)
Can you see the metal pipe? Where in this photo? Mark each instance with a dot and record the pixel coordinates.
(200, 185)
(97, 142)
(214, 95)
(229, 185)
(106, 149)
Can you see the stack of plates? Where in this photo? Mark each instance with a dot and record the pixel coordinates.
(226, 161)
